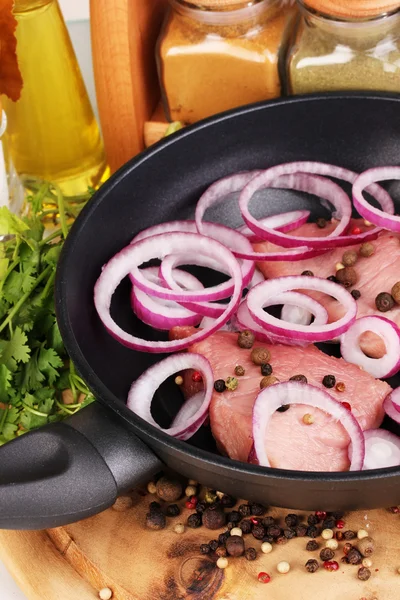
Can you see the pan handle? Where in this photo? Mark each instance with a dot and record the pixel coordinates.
(68, 471)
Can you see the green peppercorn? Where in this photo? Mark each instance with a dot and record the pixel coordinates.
(367, 249)
(347, 277)
(321, 223)
(219, 386)
(239, 371)
(308, 274)
(266, 369)
(210, 497)
(349, 258)
(260, 356)
(384, 302)
(231, 384)
(396, 292)
(300, 378)
(329, 381)
(356, 294)
(246, 339)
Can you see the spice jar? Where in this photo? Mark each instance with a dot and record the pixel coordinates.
(214, 55)
(341, 45)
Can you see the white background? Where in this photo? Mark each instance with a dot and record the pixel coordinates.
(75, 11)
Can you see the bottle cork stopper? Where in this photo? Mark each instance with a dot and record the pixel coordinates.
(353, 9)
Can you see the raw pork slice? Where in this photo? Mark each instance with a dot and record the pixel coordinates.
(290, 443)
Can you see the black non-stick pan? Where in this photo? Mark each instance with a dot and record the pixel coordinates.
(68, 471)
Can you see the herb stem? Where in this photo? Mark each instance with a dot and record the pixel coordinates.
(48, 285)
(61, 210)
(3, 419)
(38, 413)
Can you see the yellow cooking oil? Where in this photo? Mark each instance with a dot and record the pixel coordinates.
(52, 131)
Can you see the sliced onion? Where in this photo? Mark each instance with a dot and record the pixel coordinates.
(386, 366)
(295, 314)
(261, 296)
(128, 260)
(382, 218)
(395, 398)
(191, 416)
(390, 409)
(382, 449)
(293, 392)
(281, 222)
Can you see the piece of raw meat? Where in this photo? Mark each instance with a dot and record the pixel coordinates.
(290, 443)
(377, 273)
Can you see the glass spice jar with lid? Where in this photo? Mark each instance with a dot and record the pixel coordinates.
(341, 45)
(214, 55)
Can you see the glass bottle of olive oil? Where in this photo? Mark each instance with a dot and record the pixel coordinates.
(52, 131)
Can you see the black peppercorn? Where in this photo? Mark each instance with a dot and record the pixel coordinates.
(356, 294)
(201, 507)
(300, 378)
(337, 515)
(312, 565)
(228, 501)
(169, 490)
(349, 535)
(326, 554)
(384, 302)
(268, 521)
(321, 223)
(155, 520)
(289, 533)
(194, 520)
(246, 339)
(332, 278)
(308, 274)
(266, 369)
(214, 517)
(258, 510)
(268, 538)
(223, 537)
(221, 551)
(283, 408)
(234, 516)
(312, 531)
(312, 519)
(329, 523)
(213, 545)
(251, 554)
(329, 381)
(281, 540)
(246, 526)
(301, 530)
(154, 507)
(219, 385)
(205, 549)
(364, 574)
(312, 545)
(235, 545)
(291, 520)
(230, 525)
(354, 557)
(172, 510)
(244, 510)
(258, 531)
(344, 560)
(274, 531)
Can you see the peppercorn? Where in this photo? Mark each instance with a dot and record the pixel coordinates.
(260, 356)
(179, 528)
(268, 521)
(340, 524)
(289, 533)
(283, 408)
(362, 533)
(312, 531)
(236, 531)
(327, 534)
(239, 371)
(194, 521)
(214, 517)
(340, 387)
(344, 560)
(347, 547)
(395, 510)
(329, 523)
(281, 540)
(326, 554)
(300, 378)
(210, 497)
(339, 536)
(291, 520)
(274, 531)
(337, 514)
(329, 381)
(223, 537)
(235, 545)
(312, 519)
(151, 487)
(234, 516)
(384, 302)
(332, 544)
(266, 547)
(191, 492)
(321, 222)
(246, 526)
(154, 507)
(105, 594)
(366, 546)
(349, 258)
(332, 278)
(231, 384)
(356, 294)
(268, 381)
(347, 277)
(201, 507)
(179, 380)
(264, 577)
(228, 501)
(312, 545)
(246, 339)
(213, 545)
(221, 551)
(269, 539)
(222, 562)
(230, 526)
(205, 549)
(308, 274)
(367, 562)
(258, 532)
(197, 377)
(331, 565)
(258, 510)
(367, 249)
(349, 535)
(339, 266)
(312, 565)
(301, 530)
(251, 554)
(355, 231)
(283, 567)
(320, 514)
(155, 520)
(266, 369)
(172, 510)
(244, 510)
(354, 556)
(308, 419)
(169, 490)
(219, 386)
(396, 292)
(363, 573)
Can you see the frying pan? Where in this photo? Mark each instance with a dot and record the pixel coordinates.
(71, 470)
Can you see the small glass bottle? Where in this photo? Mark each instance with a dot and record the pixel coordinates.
(343, 50)
(214, 55)
(52, 131)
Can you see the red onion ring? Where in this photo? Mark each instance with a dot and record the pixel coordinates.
(382, 218)
(390, 409)
(382, 449)
(292, 392)
(191, 416)
(379, 368)
(281, 222)
(395, 398)
(262, 294)
(128, 261)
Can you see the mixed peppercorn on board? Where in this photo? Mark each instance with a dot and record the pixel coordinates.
(117, 553)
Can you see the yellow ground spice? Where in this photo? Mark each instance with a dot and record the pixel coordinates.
(208, 67)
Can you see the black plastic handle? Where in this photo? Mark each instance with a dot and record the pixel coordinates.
(68, 471)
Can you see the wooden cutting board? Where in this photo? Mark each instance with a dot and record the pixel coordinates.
(115, 550)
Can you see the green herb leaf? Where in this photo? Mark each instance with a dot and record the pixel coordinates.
(48, 363)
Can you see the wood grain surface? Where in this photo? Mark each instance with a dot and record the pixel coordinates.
(115, 550)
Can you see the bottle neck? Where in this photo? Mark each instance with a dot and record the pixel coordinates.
(375, 28)
(246, 13)
(26, 6)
